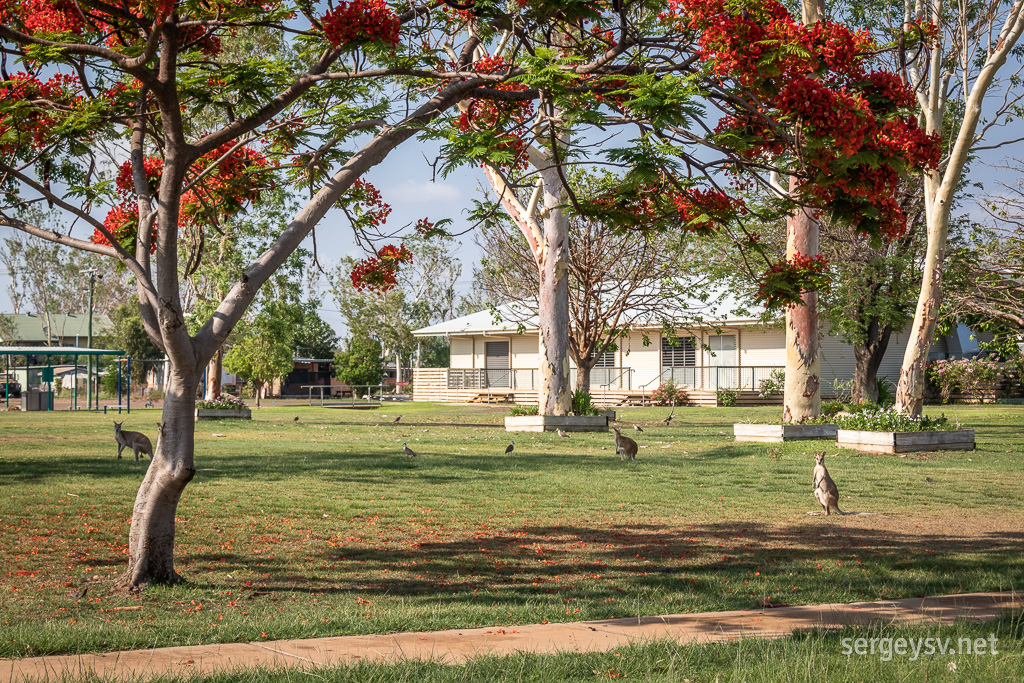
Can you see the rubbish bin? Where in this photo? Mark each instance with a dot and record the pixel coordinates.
(35, 400)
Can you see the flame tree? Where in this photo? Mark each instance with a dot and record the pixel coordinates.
(135, 122)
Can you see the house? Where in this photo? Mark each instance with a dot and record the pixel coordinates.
(58, 329)
(306, 372)
(497, 358)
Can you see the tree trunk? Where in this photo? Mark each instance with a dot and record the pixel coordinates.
(214, 370)
(553, 301)
(869, 357)
(583, 370)
(151, 537)
(802, 396)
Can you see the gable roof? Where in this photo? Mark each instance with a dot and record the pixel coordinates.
(32, 327)
(717, 308)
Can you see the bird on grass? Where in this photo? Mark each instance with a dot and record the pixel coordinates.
(397, 419)
(638, 428)
(296, 419)
(561, 433)
(408, 451)
(149, 404)
(511, 447)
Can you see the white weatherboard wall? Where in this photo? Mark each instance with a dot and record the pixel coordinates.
(461, 352)
(525, 350)
(762, 346)
(645, 360)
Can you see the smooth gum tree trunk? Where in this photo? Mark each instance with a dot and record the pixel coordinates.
(940, 188)
(214, 370)
(151, 536)
(553, 301)
(802, 395)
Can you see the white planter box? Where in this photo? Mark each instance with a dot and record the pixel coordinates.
(906, 442)
(780, 433)
(223, 414)
(549, 423)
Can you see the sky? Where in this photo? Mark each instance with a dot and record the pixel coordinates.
(404, 180)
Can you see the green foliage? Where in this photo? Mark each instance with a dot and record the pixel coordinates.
(582, 404)
(727, 397)
(263, 351)
(519, 409)
(873, 419)
(223, 403)
(967, 375)
(312, 337)
(360, 363)
(774, 384)
(130, 336)
(886, 392)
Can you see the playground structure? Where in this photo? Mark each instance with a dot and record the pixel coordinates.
(37, 387)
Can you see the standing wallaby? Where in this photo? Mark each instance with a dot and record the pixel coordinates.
(825, 490)
(624, 446)
(137, 441)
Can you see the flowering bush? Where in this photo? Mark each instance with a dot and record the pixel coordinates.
(223, 403)
(965, 374)
(888, 420)
(774, 384)
(668, 394)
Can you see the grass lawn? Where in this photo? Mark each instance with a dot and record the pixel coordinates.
(322, 527)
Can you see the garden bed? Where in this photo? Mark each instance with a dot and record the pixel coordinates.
(549, 423)
(780, 432)
(906, 442)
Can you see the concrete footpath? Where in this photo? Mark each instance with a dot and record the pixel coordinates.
(458, 645)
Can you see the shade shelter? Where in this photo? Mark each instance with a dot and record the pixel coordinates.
(44, 373)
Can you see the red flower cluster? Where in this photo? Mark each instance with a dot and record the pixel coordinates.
(237, 180)
(703, 210)
(42, 16)
(361, 20)
(378, 273)
(374, 211)
(853, 141)
(507, 118)
(784, 281)
(22, 121)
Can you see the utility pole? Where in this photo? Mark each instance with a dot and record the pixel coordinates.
(93, 275)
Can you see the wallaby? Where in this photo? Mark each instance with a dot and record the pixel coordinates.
(624, 446)
(137, 441)
(824, 488)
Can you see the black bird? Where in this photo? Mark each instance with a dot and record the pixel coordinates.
(638, 428)
(408, 451)
(397, 419)
(668, 419)
(511, 447)
(296, 418)
(149, 404)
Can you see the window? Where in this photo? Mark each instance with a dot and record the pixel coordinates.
(678, 352)
(606, 360)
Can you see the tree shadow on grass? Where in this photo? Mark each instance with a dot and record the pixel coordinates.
(724, 564)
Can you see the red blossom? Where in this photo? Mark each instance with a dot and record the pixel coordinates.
(361, 20)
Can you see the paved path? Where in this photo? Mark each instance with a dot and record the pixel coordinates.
(461, 644)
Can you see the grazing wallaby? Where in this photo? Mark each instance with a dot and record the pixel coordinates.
(137, 441)
(825, 490)
(624, 446)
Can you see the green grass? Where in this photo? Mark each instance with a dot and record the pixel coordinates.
(323, 527)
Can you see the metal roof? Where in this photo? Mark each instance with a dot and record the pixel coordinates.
(33, 327)
(719, 308)
(56, 351)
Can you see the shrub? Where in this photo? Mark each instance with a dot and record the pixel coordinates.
(888, 420)
(830, 408)
(223, 403)
(775, 384)
(727, 397)
(668, 394)
(967, 375)
(519, 409)
(582, 404)
(886, 392)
